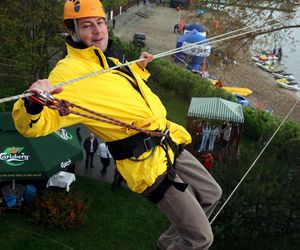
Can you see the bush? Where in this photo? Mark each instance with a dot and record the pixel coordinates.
(59, 209)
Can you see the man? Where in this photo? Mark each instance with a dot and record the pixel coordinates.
(105, 156)
(226, 136)
(90, 146)
(145, 159)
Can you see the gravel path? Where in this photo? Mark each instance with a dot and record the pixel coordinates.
(158, 28)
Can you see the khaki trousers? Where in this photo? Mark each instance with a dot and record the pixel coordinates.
(189, 211)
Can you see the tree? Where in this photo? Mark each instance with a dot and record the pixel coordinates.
(30, 34)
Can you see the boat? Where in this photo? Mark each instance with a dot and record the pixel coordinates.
(257, 59)
(288, 76)
(286, 81)
(267, 58)
(241, 91)
(289, 87)
(269, 68)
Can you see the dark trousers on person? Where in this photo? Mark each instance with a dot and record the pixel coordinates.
(105, 163)
(117, 180)
(89, 160)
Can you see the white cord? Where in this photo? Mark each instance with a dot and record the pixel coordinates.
(267, 144)
(163, 54)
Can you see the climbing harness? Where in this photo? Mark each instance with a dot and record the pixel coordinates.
(131, 147)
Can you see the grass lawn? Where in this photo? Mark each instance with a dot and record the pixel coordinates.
(177, 107)
(116, 220)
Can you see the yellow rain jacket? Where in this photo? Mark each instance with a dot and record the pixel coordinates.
(110, 94)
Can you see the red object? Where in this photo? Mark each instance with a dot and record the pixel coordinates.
(219, 84)
(203, 68)
(207, 161)
(258, 104)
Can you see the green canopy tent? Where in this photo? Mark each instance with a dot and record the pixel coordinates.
(39, 158)
(216, 110)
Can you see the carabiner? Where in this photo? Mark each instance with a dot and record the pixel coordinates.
(166, 133)
(40, 96)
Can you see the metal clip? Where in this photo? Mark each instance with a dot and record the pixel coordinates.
(41, 96)
(148, 143)
(166, 133)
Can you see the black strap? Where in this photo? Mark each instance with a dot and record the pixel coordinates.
(158, 193)
(136, 145)
(133, 146)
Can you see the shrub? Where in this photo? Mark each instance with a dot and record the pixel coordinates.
(58, 209)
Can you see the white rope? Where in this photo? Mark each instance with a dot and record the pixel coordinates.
(240, 182)
(194, 45)
(166, 53)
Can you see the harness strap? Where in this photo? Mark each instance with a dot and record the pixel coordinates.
(157, 191)
(133, 146)
(136, 145)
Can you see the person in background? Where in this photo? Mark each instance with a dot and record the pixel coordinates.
(114, 23)
(198, 135)
(117, 182)
(226, 136)
(145, 154)
(79, 136)
(214, 134)
(205, 135)
(90, 146)
(219, 84)
(105, 157)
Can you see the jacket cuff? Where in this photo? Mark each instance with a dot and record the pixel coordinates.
(142, 72)
(33, 108)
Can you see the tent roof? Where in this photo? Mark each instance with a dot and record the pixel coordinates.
(197, 27)
(216, 109)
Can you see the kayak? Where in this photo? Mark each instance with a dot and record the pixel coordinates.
(289, 87)
(288, 76)
(240, 91)
(236, 90)
(286, 81)
(269, 68)
(264, 58)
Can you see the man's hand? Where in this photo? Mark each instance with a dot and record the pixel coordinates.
(147, 58)
(42, 92)
(45, 86)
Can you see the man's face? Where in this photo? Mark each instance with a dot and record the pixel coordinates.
(93, 31)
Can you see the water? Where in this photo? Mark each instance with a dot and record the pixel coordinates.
(291, 54)
(290, 51)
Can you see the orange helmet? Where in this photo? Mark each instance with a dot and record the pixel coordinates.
(75, 9)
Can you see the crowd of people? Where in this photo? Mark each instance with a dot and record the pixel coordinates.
(210, 137)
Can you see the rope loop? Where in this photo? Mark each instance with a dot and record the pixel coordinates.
(63, 107)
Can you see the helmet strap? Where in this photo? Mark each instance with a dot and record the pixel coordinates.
(76, 30)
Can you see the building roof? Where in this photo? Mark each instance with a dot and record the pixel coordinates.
(216, 109)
